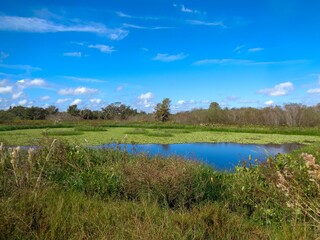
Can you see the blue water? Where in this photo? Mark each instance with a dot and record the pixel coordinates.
(222, 156)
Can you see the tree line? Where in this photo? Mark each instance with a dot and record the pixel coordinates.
(291, 115)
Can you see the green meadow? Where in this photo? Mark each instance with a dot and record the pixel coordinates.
(101, 135)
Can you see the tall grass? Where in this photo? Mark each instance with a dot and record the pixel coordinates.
(65, 191)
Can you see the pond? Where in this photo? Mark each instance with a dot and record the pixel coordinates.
(222, 156)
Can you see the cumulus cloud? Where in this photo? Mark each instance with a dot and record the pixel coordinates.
(95, 100)
(72, 54)
(37, 82)
(6, 90)
(77, 91)
(164, 57)
(39, 25)
(62, 100)
(22, 102)
(145, 99)
(76, 102)
(281, 89)
(103, 48)
(269, 103)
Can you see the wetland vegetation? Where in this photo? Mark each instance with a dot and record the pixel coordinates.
(65, 190)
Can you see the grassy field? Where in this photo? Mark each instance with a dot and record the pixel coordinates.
(101, 135)
(67, 191)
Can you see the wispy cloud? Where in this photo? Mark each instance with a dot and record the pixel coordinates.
(126, 25)
(95, 100)
(22, 102)
(77, 91)
(3, 56)
(62, 100)
(124, 15)
(209, 24)
(87, 80)
(103, 48)
(27, 68)
(45, 98)
(258, 49)
(120, 88)
(164, 57)
(245, 62)
(17, 95)
(281, 89)
(39, 25)
(184, 9)
(314, 91)
(72, 54)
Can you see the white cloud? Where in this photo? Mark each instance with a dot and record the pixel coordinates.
(209, 24)
(103, 48)
(180, 102)
(95, 100)
(269, 103)
(37, 82)
(26, 68)
(62, 100)
(45, 98)
(126, 25)
(121, 14)
(39, 25)
(88, 80)
(6, 89)
(164, 57)
(255, 49)
(184, 9)
(76, 102)
(234, 61)
(22, 102)
(222, 61)
(239, 48)
(314, 91)
(281, 89)
(145, 99)
(72, 54)
(120, 88)
(17, 95)
(77, 91)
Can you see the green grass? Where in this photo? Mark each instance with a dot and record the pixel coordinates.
(144, 135)
(67, 191)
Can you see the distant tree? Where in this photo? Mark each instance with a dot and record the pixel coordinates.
(51, 110)
(19, 111)
(36, 113)
(86, 114)
(162, 110)
(6, 116)
(73, 110)
(118, 110)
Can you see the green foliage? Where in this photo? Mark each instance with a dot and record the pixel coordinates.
(162, 110)
(73, 110)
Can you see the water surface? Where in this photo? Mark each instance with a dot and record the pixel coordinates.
(222, 156)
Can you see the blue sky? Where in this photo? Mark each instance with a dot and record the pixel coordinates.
(93, 53)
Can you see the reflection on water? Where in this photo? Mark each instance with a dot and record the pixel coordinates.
(222, 156)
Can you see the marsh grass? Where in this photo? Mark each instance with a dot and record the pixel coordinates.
(90, 128)
(151, 132)
(61, 132)
(67, 191)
